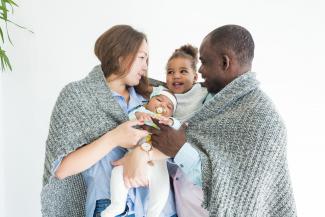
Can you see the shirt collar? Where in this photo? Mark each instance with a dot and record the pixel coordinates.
(135, 99)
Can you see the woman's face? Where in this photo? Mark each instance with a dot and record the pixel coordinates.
(180, 76)
(139, 66)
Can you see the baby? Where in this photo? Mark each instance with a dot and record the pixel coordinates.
(161, 106)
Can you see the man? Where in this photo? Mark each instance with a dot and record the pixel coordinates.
(237, 137)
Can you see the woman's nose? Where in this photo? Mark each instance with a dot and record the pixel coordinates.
(145, 67)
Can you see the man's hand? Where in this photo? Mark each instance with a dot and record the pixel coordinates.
(167, 140)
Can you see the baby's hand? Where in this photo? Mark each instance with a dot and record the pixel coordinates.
(164, 120)
(141, 116)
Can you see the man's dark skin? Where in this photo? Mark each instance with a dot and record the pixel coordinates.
(219, 67)
(169, 135)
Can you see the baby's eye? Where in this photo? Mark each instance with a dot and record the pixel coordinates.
(184, 71)
(169, 72)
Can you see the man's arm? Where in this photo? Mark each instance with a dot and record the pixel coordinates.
(172, 142)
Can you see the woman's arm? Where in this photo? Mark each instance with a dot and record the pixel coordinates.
(125, 135)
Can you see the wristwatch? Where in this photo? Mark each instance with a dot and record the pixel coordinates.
(147, 147)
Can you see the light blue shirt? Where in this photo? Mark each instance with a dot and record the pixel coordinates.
(97, 177)
(188, 159)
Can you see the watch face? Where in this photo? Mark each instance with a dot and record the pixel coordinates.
(146, 146)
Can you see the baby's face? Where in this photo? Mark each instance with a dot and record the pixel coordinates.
(163, 102)
(180, 76)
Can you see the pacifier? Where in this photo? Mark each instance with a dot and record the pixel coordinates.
(160, 110)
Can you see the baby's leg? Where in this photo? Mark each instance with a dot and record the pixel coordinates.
(158, 188)
(119, 194)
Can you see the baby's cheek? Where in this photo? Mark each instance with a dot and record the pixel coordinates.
(170, 113)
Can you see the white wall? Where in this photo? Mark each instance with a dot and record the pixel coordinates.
(2, 161)
(289, 60)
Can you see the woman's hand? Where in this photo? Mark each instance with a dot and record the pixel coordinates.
(135, 173)
(125, 135)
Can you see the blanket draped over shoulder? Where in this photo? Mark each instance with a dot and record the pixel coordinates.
(242, 144)
(84, 111)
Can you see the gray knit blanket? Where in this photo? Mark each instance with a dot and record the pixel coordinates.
(242, 144)
(84, 111)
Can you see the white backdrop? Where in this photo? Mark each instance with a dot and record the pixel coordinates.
(289, 60)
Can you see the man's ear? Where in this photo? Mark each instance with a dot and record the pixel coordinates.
(225, 62)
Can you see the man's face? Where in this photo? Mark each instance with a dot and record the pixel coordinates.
(212, 67)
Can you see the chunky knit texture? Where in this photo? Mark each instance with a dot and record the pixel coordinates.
(242, 144)
(84, 111)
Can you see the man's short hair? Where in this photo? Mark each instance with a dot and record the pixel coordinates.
(235, 38)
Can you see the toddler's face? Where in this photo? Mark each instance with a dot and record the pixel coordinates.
(163, 102)
(180, 76)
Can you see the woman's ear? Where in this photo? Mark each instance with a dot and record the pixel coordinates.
(120, 60)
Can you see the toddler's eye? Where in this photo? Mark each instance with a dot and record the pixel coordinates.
(169, 72)
(184, 71)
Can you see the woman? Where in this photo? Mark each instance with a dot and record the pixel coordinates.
(89, 128)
